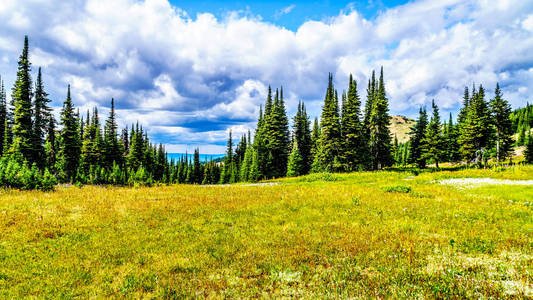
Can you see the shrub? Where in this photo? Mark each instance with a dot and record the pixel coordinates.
(398, 189)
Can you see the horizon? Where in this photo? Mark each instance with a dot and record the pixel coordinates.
(190, 93)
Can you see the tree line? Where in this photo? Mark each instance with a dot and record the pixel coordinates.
(350, 137)
(38, 151)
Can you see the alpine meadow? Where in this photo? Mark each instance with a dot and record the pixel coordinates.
(327, 150)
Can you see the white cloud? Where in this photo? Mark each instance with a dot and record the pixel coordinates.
(171, 71)
(284, 11)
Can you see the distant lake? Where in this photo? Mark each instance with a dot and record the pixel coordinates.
(203, 157)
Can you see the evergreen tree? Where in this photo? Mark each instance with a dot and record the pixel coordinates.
(3, 114)
(69, 151)
(315, 138)
(42, 115)
(296, 164)
(302, 135)
(6, 143)
(528, 152)
(21, 97)
(464, 110)
(135, 156)
(197, 171)
(112, 147)
(450, 138)
(475, 133)
(276, 130)
(330, 138)
(501, 112)
(51, 145)
(354, 151)
(227, 170)
(433, 139)
(379, 132)
(246, 164)
(417, 140)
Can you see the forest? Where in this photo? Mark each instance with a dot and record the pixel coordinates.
(38, 151)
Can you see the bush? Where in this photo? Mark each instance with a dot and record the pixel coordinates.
(398, 189)
(15, 175)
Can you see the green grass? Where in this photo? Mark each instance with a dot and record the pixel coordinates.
(372, 234)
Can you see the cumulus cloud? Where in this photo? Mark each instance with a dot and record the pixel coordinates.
(190, 79)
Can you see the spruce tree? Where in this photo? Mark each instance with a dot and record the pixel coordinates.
(501, 112)
(451, 147)
(277, 138)
(475, 133)
(21, 97)
(315, 138)
(379, 132)
(51, 145)
(112, 147)
(246, 164)
(354, 152)
(6, 142)
(528, 152)
(433, 139)
(330, 138)
(302, 135)
(41, 115)
(417, 140)
(3, 114)
(197, 167)
(228, 162)
(69, 151)
(295, 165)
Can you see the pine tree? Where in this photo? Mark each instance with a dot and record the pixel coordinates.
(452, 148)
(276, 129)
(417, 140)
(21, 97)
(6, 142)
(302, 135)
(330, 138)
(475, 133)
(3, 114)
(51, 145)
(41, 115)
(501, 112)
(354, 152)
(433, 139)
(135, 156)
(315, 138)
(528, 152)
(464, 110)
(379, 132)
(112, 147)
(69, 151)
(295, 165)
(246, 164)
(228, 162)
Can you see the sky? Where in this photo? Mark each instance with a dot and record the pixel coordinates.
(190, 71)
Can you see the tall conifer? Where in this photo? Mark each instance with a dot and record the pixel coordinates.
(21, 97)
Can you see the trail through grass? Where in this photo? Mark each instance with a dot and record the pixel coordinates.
(374, 234)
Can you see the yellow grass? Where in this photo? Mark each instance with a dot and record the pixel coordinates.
(325, 235)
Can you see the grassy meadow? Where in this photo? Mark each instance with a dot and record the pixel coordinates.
(370, 234)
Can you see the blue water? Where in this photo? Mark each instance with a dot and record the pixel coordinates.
(203, 157)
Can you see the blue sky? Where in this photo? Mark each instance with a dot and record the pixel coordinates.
(289, 14)
(190, 71)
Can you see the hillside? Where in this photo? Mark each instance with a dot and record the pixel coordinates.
(401, 126)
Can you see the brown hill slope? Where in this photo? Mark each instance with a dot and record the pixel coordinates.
(401, 126)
